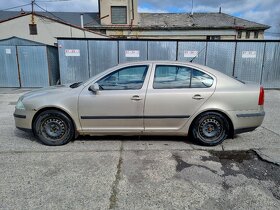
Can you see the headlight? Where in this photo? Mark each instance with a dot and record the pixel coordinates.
(20, 104)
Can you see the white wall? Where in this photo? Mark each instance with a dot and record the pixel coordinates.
(47, 30)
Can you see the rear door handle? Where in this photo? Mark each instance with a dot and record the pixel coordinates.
(136, 98)
(197, 97)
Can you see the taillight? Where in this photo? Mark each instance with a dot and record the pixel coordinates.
(261, 96)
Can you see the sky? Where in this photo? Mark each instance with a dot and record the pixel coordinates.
(261, 11)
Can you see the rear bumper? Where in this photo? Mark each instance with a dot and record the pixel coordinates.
(246, 121)
(257, 114)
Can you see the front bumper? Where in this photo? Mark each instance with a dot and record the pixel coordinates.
(23, 119)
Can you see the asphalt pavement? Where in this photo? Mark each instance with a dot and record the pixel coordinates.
(140, 172)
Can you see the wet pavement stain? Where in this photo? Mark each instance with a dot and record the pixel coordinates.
(181, 165)
(249, 164)
(234, 163)
(236, 156)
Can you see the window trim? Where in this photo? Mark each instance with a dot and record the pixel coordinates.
(248, 33)
(126, 67)
(213, 37)
(125, 15)
(239, 34)
(256, 34)
(190, 86)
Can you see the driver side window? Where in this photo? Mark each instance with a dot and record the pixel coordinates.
(129, 78)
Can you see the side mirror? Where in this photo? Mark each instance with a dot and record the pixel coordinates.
(94, 88)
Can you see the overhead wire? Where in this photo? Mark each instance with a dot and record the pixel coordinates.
(49, 13)
(15, 7)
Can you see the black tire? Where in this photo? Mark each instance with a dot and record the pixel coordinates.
(53, 128)
(210, 129)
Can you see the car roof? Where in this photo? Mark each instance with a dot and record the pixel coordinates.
(216, 73)
(195, 65)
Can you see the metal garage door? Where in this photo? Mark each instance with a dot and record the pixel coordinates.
(33, 65)
(8, 67)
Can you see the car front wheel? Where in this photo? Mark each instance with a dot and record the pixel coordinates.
(53, 128)
(210, 129)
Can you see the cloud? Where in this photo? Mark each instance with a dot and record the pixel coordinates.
(150, 10)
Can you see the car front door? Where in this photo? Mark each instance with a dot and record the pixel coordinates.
(118, 105)
(174, 94)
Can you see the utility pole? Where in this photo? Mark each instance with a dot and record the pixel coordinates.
(32, 12)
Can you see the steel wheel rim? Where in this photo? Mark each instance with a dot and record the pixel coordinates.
(53, 129)
(210, 129)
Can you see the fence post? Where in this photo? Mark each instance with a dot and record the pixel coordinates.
(177, 50)
(89, 69)
(234, 58)
(206, 49)
(19, 77)
(263, 62)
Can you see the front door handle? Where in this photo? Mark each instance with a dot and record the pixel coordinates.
(136, 98)
(197, 97)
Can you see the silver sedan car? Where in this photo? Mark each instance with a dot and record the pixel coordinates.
(144, 98)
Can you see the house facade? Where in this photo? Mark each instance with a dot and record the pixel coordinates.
(121, 19)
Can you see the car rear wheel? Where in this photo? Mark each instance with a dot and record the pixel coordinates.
(210, 129)
(53, 128)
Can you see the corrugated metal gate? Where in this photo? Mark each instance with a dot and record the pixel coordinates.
(35, 73)
(27, 64)
(8, 67)
(257, 61)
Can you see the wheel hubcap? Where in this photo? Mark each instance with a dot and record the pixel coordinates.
(53, 128)
(210, 128)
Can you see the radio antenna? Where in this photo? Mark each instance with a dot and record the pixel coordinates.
(197, 54)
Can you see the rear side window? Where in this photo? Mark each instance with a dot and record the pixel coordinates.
(168, 77)
(201, 79)
(171, 77)
(129, 78)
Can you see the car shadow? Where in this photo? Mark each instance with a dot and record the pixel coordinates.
(133, 138)
(87, 138)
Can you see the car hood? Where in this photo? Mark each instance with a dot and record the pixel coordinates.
(46, 91)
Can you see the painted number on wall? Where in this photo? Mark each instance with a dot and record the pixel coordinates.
(8, 51)
(132, 53)
(190, 53)
(72, 52)
(249, 54)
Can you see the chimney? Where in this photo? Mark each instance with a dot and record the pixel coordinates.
(220, 10)
(22, 12)
(82, 21)
(234, 21)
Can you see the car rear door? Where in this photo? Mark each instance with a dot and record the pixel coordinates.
(174, 94)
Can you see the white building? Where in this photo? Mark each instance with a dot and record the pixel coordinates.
(45, 29)
(120, 19)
